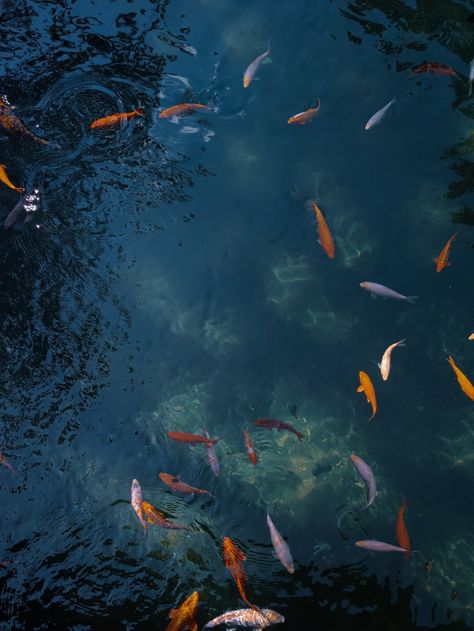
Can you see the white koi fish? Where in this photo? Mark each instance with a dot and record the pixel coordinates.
(471, 77)
(282, 549)
(136, 501)
(384, 365)
(253, 67)
(377, 117)
(375, 289)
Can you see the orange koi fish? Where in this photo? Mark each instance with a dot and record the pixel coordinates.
(403, 537)
(325, 238)
(184, 617)
(157, 518)
(250, 450)
(175, 484)
(6, 180)
(305, 117)
(385, 363)
(6, 464)
(442, 260)
(435, 68)
(466, 385)
(233, 559)
(182, 109)
(136, 500)
(367, 386)
(116, 119)
(193, 439)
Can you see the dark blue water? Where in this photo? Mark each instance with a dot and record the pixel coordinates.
(171, 279)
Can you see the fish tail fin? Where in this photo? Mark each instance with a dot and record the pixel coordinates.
(19, 189)
(411, 299)
(402, 342)
(436, 260)
(360, 389)
(140, 111)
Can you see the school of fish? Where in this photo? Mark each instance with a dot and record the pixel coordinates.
(184, 616)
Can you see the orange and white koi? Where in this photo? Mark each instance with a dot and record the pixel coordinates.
(157, 518)
(325, 237)
(184, 617)
(305, 117)
(6, 180)
(116, 119)
(367, 386)
(137, 500)
(465, 384)
(251, 71)
(250, 450)
(182, 109)
(442, 260)
(384, 365)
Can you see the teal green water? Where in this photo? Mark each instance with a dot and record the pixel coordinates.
(171, 280)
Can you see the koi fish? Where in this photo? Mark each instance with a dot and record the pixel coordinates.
(305, 117)
(6, 464)
(403, 537)
(184, 617)
(378, 116)
(157, 518)
(116, 119)
(366, 474)
(13, 125)
(380, 290)
(367, 386)
(193, 439)
(279, 425)
(257, 620)
(212, 457)
(250, 450)
(436, 68)
(233, 559)
(378, 546)
(175, 484)
(465, 384)
(137, 499)
(471, 337)
(442, 260)
(471, 77)
(280, 546)
(384, 365)
(249, 74)
(6, 180)
(182, 109)
(325, 238)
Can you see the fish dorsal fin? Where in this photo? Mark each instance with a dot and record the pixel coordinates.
(436, 260)
(172, 613)
(360, 388)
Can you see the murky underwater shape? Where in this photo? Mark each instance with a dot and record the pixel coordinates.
(171, 281)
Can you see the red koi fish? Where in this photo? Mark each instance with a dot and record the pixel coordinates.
(233, 559)
(116, 119)
(403, 537)
(175, 484)
(6, 464)
(157, 518)
(184, 617)
(250, 450)
(192, 439)
(182, 109)
(279, 425)
(442, 260)
(305, 117)
(436, 68)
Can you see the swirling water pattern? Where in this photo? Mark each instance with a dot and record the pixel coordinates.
(171, 280)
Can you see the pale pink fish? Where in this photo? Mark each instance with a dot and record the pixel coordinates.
(366, 474)
(379, 546)
(247, 618)
(377, 117)
(380, 290)
(253, 67)
(212, 457)
(282, 549)
(384, 365)
(6, 464)
(137, 500)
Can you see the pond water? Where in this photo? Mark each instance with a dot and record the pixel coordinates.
(170, 279)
